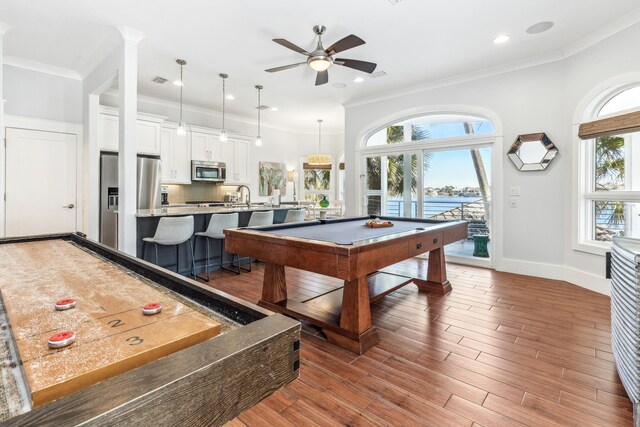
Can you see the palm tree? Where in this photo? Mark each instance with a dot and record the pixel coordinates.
(609, 175)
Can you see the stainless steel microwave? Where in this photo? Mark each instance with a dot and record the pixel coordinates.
(208, 171)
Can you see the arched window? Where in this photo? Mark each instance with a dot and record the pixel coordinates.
(434, 166)
(429, 127)
(609, 193)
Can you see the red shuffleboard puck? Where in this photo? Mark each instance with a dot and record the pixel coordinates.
(65, 304)
(153, 308)
(62, 339)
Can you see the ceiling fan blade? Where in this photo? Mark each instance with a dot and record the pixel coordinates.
(322, 77)
(289, 45)
(367, 67)
(348, 42)
(284, 67)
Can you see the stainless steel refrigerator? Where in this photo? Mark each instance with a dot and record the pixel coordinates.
(148, 192)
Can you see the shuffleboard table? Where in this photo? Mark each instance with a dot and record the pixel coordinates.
(202, 359)
(349, 250)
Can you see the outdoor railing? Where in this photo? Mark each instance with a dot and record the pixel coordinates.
(472, 211)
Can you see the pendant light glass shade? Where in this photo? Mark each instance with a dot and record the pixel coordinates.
(318, 158)
(223, 131)
(182, 126)
(258, 138)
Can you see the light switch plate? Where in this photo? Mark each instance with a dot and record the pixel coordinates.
(514, 190)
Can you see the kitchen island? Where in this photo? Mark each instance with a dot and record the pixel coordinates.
(147, 222)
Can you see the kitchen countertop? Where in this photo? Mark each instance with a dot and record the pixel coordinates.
(194, 210)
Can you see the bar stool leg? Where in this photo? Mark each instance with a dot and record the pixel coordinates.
(144, 249)
(233, 256)
(178, 259)
(193, 261)
(156, 247)
(206, 263)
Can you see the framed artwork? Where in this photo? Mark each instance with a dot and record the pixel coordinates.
(272, 177)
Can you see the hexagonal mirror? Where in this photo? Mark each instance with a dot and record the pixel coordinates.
(532, 152)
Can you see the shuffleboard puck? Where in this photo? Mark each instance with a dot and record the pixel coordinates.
(150, 309)
(65, 304)
(62, 339)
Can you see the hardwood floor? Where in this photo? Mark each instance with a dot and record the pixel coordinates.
(501, 349)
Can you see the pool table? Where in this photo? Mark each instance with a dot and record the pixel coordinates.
(349, 250)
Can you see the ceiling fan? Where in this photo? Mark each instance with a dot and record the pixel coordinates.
(321, 59)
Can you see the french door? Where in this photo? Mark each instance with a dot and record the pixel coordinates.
(391, 184)
(452, 183)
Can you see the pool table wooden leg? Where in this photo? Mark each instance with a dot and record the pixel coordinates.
(355, 318)
(274, 286)
(436, 274)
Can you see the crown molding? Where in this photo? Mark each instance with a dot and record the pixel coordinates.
(27, 64)
(4, 28)
(584, 43)
(603, 33)
(242, 119)
(459, 79)
(130, 34)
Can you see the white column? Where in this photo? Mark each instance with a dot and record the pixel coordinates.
(3, 29)
(127, 166)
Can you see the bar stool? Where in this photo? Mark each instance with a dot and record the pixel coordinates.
(172, 231)
(261, 218)
(215, 231)
(295, 215)
(257, 219)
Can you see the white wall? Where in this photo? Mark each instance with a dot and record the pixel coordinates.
(279, 145)
(44, 96)
(536, 235)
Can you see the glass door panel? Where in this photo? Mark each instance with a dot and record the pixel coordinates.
(457, 186)
(391, 184)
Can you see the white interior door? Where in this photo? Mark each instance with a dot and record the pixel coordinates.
(41, 182)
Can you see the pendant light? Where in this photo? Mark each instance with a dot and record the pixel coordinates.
(182, 126)
(259, 138)
(223, 131)
(319, 159)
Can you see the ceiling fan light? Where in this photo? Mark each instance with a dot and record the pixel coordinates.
(223, 135)
(319, 63)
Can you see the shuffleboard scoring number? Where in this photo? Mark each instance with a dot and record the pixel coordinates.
(115, 323)
(134, 340)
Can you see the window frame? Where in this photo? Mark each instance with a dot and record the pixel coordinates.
(584, 173)
(328, 193)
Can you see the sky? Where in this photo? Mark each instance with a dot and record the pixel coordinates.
(455, 168)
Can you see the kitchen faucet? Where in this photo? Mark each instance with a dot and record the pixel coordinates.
(248, 199)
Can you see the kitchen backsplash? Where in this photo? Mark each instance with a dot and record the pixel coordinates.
(199, 191)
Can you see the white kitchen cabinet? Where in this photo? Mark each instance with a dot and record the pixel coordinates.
(235, 153)
(109, 132)
(176, 157)
(205, 147)
(147, 135)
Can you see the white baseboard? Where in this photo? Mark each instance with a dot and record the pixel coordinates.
(583, 279)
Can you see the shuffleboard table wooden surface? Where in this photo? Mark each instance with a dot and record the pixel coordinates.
(170, 368)
(349, 250)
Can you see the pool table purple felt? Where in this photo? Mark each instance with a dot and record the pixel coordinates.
(349, 250)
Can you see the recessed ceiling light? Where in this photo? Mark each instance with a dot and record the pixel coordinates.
(178, 83)
(501, 39)
(540, 27)
(274, 108)
(230, 97)
(339, 85)
(358, 79)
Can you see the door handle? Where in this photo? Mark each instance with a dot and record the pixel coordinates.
(69, 206)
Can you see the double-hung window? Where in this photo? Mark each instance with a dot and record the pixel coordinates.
(609, 193)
